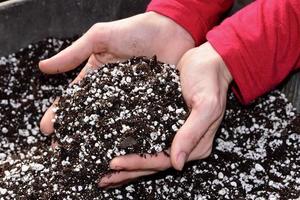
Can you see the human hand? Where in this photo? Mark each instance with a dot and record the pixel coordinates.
(204, 80)
(146, 34)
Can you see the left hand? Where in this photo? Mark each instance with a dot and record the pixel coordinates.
(145, 34)
(204, 80)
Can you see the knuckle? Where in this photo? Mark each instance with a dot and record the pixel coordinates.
(94, 32)
(197, 101)
(193, 140)
(211, 103)
(95, 27)
(99, 33)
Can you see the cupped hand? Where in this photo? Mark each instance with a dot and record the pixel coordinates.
(146, 34)
(204, 80)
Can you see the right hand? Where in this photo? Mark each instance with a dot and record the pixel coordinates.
(145, 34)
(204, 81)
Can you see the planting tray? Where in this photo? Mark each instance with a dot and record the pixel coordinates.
(256, 148)
(26, 21)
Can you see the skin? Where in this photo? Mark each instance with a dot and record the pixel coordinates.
(204, 78)
(146, 34)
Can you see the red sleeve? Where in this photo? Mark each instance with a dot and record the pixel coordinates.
(196, 16)
(260, 45)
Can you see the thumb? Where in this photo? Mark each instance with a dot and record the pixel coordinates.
(93, 41)
(188, 137)
(68, 58)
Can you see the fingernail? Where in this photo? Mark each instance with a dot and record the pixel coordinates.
(103, 184)
(181, 158)
(114, 164)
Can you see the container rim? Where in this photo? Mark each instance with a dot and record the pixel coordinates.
(10, 3)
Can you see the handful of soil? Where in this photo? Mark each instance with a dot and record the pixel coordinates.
(131, 107)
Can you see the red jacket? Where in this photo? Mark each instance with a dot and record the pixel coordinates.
(259, 44)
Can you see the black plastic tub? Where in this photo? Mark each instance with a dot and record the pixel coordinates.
(26, 21)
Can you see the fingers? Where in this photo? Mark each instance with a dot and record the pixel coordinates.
(122, 176)
(70, 57)
(204, 147)
(133, 164)
(54, 144)
(96, 61)
(46, 124)
(195, 145)
(188, 137)
(157, 162)
(87, 68)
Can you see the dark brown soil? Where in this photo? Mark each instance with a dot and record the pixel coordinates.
(256, 152)
(130, 107)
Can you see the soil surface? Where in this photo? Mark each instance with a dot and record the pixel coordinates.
(256, 152)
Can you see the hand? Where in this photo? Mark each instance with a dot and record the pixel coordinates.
(205, 80)
(146, 34)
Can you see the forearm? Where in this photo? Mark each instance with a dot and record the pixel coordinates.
(260, 45)
(196, 16)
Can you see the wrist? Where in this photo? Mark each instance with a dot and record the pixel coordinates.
(168, 40)
(226, 73)
(218, 61)
(172, 27)
(207, 60)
